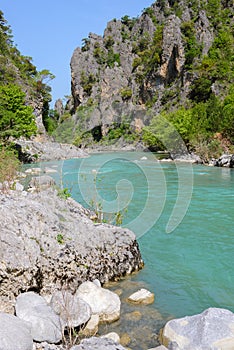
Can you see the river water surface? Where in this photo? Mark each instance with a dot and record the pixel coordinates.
(189, 268)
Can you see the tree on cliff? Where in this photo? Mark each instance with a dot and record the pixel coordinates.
(16, 118)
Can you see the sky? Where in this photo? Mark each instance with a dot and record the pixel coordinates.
(49, 30)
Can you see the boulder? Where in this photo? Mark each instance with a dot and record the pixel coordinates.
(91, 327)
(42, 182)
(47, 241)
(213, 329)
(14, 333)
(142, 296)
(226, 160)
(95, 343)
(45, 324)
(102, 301)
(112, 335)
(72, 310)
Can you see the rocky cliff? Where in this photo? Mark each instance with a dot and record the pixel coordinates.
(144, 65)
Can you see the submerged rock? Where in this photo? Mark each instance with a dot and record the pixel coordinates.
(142, 296)
(213, 329)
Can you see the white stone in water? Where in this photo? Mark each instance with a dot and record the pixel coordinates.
(33, 171)
(142, 296)
(112, 335)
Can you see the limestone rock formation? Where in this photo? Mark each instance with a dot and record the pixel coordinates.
(47, 242)
(138, 63)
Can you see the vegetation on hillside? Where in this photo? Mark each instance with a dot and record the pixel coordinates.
(22, 88)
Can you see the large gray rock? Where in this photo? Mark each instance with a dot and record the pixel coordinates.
(31, 151)
(14, 333)
(95, 343)
(45, 323)
(73, 311)
(226, 160)
(46, 241)
(213, 329)
(102, 301)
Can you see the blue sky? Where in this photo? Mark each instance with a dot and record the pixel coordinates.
(49, 30)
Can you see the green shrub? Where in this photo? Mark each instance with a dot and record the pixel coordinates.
(9, 166)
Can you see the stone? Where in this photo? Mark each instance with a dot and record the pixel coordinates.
(14, 333)
(112, 335)
(45, 324)
(161, 347)
(72, 310)
(213, 329)
(102, 301)
(142, 296)
(91, 327)
(133, 316)
(19, 187)
(226, 160)
(95, 343)
(125, 339)
(42, 182)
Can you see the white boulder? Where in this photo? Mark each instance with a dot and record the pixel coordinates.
(102, 301)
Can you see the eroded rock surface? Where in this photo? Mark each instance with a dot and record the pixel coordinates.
(47, 242)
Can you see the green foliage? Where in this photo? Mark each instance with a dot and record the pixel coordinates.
(227, 123)
(87, 81)
(9, 166)
(60, 238)
(85, 44)
(112, 58)
(50, 121)
(126, 93)
(192, 49)
(64, 193)
(109, 42)
(149, 55)
(16, 119)
(129, 22)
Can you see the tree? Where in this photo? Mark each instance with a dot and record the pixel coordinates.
(16, 119)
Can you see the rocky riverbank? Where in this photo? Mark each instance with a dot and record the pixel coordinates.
(33, 151)
(48, 242)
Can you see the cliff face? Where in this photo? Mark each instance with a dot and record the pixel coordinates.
(141, 66)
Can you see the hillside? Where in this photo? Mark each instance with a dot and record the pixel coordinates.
(175, 60)
(24, 94)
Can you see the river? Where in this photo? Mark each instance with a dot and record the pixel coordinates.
(182, 215)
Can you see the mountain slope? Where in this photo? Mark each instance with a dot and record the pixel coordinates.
(176, 54)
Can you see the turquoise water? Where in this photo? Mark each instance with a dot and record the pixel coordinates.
(190, 268)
